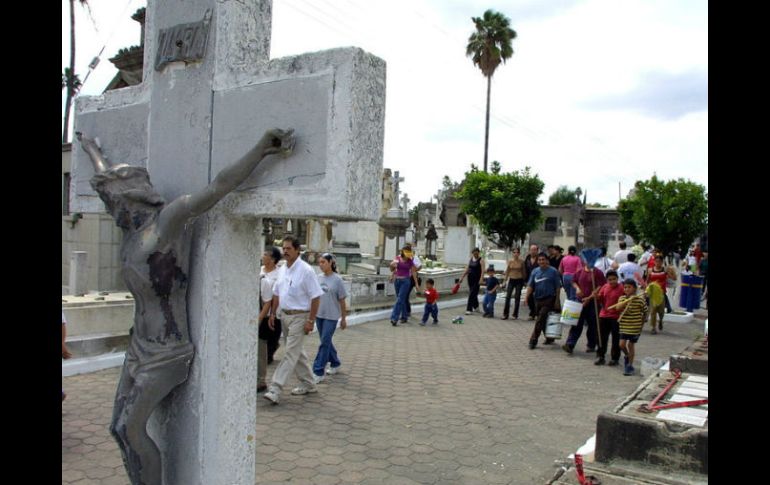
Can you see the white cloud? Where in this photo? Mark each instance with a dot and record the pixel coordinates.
(571, 58)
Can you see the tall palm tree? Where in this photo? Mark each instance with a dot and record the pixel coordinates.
(70, 80)
(488, 47)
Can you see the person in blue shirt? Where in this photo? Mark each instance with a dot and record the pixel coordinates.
(545, 284)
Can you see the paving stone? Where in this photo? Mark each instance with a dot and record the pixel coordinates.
(440, 406)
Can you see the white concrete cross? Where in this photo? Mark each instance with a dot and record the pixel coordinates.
(396, 179)
(209, 92)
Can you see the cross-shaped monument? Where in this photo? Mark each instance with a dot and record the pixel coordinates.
(209, 91)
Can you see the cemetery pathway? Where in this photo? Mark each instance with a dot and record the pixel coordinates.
(445, 404)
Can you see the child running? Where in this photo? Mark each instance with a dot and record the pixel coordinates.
(631, 322)
(431, 307)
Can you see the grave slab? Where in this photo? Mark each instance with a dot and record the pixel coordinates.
(626, 434)
(694, 359)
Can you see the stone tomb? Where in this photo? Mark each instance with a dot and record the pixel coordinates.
(201, 106)
(669, 442)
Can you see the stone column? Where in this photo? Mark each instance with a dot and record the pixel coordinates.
(78, 273)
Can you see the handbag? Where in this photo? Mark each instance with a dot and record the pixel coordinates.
(455, 288)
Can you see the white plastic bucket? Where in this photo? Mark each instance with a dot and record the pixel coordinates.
(553, 325)
(678, 317)
(570, 313)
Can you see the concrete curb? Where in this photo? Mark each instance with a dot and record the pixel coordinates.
(92, 364)
(115, 359)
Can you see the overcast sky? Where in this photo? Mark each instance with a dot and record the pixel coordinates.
(597, 93)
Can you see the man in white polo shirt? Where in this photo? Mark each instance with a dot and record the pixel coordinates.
(297, 294)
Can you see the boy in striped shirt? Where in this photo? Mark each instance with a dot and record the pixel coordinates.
(631, 321)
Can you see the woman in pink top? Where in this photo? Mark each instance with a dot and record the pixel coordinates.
(403, 269)
(570, 264)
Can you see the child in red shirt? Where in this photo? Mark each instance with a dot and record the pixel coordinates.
(608, 319)
(431, 308)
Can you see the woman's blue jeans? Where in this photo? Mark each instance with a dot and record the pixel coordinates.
(326, 351)
(568, 288)
(402, 293)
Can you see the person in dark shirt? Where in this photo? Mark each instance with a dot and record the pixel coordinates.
(490, 295)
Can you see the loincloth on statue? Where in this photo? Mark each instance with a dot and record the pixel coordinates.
(146, 356)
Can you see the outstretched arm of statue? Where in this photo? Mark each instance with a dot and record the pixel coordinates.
(89, 146)
(183, 208)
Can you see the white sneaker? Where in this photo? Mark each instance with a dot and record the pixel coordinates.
(468, 312)
(333, 370)
(300, 390)
(271, 396)
(317, 379)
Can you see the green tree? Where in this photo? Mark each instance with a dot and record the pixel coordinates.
(449, 185)
(488, 47)
(669, 215)
(504, 204)
(564, 195)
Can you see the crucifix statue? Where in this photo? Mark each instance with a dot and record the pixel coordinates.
(209, 89)
(155, 264)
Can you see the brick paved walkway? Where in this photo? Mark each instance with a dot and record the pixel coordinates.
(438, 404)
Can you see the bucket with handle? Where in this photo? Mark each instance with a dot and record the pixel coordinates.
(553, 325)
(570, 314)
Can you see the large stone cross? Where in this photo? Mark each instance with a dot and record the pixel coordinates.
(209, 91)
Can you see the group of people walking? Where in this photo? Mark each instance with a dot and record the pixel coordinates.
(613, 310)
(293, 300)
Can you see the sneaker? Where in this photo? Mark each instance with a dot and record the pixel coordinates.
(333, 370)
(504, 318)
(403, 320)
(435, 322)
(467, 312)
(422, 324)
(629, 370)
(567, 348)
(301, 390)
(599, 361)
(317, 379)
(532, 344)
(515, 317)
(549, 341)
(393, 322)
(613, 363)
(271, 396)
